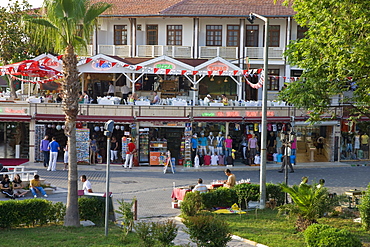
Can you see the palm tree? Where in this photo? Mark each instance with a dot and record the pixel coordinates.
(310, 203)
(66, 25)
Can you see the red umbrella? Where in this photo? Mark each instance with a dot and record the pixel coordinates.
(29, 68)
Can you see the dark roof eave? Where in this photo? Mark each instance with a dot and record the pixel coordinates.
(182, 15)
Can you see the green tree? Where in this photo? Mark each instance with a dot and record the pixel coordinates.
(310, 203)
(66, 25)
(333, 55)
(14, 45)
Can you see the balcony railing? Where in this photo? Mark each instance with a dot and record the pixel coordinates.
(183, 51)
(257, 52)
(218, 51)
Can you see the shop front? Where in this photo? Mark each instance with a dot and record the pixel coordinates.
(88, 128)
(157, 135)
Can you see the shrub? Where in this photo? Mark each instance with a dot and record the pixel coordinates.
(127, 216)
(318, 235)
(246, 193)
(275, 192)
(364, 208)
(207, 231)
(29, 212)
(156, 233)
(92, 208)
(221, 197)
(145, 233)
(192, 204)
(165, 232)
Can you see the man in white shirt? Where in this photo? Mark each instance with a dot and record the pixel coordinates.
(200, 187)
(87, 185)
(207, 99)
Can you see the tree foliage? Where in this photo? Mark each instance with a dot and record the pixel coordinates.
(334, 55)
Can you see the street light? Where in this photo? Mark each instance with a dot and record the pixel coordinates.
(251, 18)
(108, 133)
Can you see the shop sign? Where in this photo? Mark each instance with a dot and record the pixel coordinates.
(8, 110)
(165, 65)
(99, 65)
(217, 67)
(50, 63)
(236, 114)
(258, 113)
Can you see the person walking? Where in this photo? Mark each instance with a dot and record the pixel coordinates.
(54, 149)
(44, 149)
(114, 149)
(35, 186)
(131, 150)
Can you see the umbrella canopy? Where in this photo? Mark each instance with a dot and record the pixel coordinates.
(29, 68)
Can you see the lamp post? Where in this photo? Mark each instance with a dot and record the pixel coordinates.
(251, 18)
(108, 133)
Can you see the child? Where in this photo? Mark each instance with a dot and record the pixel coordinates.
(196, 161)
(214, 159)
(65, 158)
(257, 159)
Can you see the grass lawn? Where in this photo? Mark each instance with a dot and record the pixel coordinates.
(66, 236)
(267, 227)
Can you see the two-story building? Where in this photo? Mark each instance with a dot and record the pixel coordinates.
(185, 50)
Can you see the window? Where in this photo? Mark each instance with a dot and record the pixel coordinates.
(174, 34)
(252, 36)
(120, 34)
(214, 35)
(273, 82)
(274, 36)
(152, 34)
(301, 32)
(233, 35)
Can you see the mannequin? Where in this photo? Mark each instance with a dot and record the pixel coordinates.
(202, 144)
(243, 149)
(211, 140)
(220, 143)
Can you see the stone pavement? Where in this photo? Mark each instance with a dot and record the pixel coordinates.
(126, 184)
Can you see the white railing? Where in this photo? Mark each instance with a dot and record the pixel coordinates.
(25, 175)
(178, 51)
(257, 52)
(82, 52)
(149, 50)
(115, 50)
(218, 51)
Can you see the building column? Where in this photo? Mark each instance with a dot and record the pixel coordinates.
(133, 36)
(288, 38)
(196, 38)
(31, 144)
(242, 56)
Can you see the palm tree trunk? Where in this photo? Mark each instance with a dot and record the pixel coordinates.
(71, 87)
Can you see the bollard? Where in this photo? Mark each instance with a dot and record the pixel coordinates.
(135, 210)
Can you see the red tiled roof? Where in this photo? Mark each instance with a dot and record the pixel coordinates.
(215, 8)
